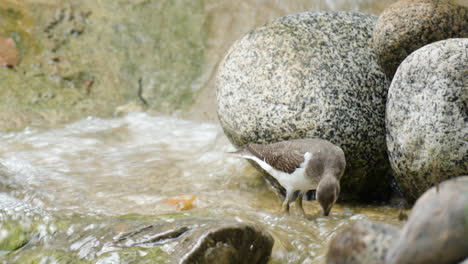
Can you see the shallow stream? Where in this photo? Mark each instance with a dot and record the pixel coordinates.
(140, 164)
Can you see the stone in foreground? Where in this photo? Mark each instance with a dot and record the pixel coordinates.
(310, 75)
(363, 242)
(437, 230)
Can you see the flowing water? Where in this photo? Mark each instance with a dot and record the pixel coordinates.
(137, 163)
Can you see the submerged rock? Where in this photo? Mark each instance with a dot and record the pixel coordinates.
(44, 237)
(408, 25)
(310, 75)
(20, 223)
(426, 117)
(437, 229)
(363, 242)
(226, 243)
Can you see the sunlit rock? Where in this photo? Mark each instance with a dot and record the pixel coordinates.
(364, 242)
(426, 117)
(437, 230)
(310, 75)
(407, 25)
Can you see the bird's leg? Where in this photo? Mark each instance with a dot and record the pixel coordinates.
(299, 203)
(285, 205)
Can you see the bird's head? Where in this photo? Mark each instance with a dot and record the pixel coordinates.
(328, 191)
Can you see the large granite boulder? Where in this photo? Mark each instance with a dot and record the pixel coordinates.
(310, 75)
(437, 230)
(364, 242)
(407, 25)
(427, 116)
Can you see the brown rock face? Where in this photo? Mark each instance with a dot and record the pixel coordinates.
(408, 25)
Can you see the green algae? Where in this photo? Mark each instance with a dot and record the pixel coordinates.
(14, 236)
(137, 255)
(39, 256)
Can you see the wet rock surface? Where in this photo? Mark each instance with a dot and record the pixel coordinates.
(228, 243)
(426, 117)
(310, 75)
(131, 239)
(364, 242)
(408, 25)
(437, 230)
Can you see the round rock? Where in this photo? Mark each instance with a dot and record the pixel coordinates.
(437, 230)
(310, 75)
(427, 117)
(407, 25)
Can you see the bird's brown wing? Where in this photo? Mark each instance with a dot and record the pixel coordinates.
(282, 156)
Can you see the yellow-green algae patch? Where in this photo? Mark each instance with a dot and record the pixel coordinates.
(13, 236)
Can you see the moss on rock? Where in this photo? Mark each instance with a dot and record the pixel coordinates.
(83, 58)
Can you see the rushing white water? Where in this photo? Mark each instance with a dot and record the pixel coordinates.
(132, 164)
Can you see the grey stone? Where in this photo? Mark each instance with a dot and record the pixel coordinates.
(310, 75)
(408, 25)
(437, 229)
(427, 116)
(226, 243)
(363, 242)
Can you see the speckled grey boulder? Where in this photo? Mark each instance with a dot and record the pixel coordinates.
(427, 118)
(407, 25)
(437, 230)
(310, 75)
(363, 242)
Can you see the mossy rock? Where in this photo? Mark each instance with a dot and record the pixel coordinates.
(82, 58)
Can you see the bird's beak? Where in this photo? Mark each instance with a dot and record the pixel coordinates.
(326, 212)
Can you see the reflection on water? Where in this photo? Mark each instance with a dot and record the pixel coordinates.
(137, 163)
